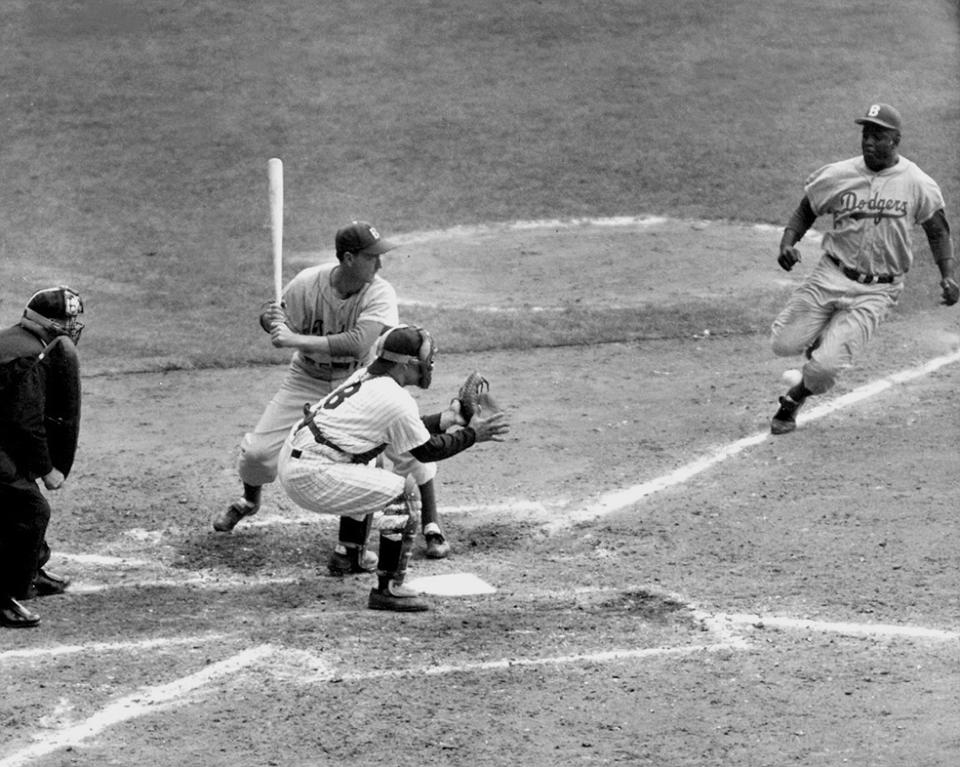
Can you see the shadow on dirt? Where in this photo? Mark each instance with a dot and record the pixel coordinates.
(504, 535)
(647, 605)
(254, 552)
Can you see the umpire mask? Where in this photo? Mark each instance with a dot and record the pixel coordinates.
(58, 310)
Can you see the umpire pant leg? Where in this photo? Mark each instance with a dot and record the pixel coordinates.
(24, 516)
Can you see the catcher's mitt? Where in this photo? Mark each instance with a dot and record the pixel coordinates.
(475, 397)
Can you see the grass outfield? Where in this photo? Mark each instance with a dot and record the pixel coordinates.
(136, 135)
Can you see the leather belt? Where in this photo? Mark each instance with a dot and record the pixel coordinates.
(328, 371)
(853, 274)
(298, 453)
(321, 439)
(354, 457)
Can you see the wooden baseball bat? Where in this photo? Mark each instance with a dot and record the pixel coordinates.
(275, 172)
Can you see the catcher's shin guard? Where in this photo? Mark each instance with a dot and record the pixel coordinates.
(350, 554)
(354, 532)
(397, 534)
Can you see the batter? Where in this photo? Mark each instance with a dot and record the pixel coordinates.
(331, 315)
(873, 202)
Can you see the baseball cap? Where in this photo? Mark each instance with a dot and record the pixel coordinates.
(883, 115)
(363, 239)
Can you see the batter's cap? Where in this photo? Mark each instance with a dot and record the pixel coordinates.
(362, 239)
(883, 115)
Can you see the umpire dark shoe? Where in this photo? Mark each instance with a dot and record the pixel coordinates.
(398, 598)
(47, 584)
(785, 419)
(237, 511)
(15, 616)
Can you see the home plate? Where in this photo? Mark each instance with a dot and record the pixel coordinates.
(453, 585)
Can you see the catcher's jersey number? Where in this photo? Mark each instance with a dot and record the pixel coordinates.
(335, 399)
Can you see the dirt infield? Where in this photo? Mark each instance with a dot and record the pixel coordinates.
(792, 604)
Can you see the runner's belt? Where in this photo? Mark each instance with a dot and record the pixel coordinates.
(853, 274)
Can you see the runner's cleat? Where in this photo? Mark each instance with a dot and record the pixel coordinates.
(785, 419)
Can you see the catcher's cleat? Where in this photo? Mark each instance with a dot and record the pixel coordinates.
(437, 546)
(349, 562)
(237, 511)
(46, 584)
(15, 616)
(398, 598)
(785, 419)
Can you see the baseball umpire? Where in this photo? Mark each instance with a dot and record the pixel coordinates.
(328, 465)
(39, 425)
(873, 201)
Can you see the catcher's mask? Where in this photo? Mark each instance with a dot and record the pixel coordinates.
(57, 310)
(408, 344)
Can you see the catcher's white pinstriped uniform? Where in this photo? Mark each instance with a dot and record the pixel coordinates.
(364, 413)
(313, 307)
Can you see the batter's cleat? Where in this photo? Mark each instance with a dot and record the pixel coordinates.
(15, 616)
(437, 546)
(237, 511)
(398, 598)
(785, 419)
(348, 562)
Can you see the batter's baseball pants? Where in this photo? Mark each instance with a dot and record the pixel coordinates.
(260, 448)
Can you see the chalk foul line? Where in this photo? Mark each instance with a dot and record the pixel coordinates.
(137, 704)
(104, 647)
(846, 628)
(310, 668)
(620, 499)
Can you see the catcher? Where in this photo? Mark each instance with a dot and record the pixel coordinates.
(39, 426)
(327, 463)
